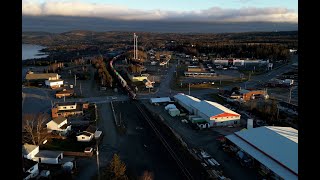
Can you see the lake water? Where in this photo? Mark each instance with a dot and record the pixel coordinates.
(30, 51)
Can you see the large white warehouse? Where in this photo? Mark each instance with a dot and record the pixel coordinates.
(274, 148)
(185, 101)
(215, 114)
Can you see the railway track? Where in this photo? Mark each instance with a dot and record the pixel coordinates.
(184, 170)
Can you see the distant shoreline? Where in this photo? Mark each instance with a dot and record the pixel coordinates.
(32, 51)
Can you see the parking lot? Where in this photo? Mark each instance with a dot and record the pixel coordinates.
(206, 140)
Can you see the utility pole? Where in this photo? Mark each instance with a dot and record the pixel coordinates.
(289, 99)
(75, 80)
(80, 89)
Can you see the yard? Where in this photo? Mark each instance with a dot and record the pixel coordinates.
(69, 144)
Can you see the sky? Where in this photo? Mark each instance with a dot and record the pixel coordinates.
(169, 10)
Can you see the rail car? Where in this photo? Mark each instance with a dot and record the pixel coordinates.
(123, 82)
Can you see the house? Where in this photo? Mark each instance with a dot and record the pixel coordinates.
(66, 109)
(30, 169)
(65, 93)
(49, 157)
(59, 124)
(53, 84)
(29, 150)
(33, 153)
(87, 135)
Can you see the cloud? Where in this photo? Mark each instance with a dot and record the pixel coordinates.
(214, 14)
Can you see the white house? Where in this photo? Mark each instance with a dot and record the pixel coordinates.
(59, 124)
(87, 135)
(48, 157)
(54, 83)
(30, 168)
(29, 150)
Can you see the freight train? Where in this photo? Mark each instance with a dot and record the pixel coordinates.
(123, 82)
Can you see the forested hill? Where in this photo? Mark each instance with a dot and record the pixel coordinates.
(90, 37)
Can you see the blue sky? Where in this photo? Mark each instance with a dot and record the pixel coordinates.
(172, 10)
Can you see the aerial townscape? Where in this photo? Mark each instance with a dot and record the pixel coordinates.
(125, 101)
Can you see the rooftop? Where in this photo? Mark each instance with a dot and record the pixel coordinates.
(58, 80)
(44, 76)
(91, 129)
(159, 100)
(66, 103)
(59, 119)
(85, 133)
(27, 148)
(66, 91)
(212, 109)
(64, 126)
(48, 154)
(27, 163)
(260, 143)
(186, 99)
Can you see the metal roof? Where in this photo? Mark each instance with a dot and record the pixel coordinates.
(40, 76)
(160, 100)
(48, 154)
(211, 109)
(59, 119)
(275, 147)
(186, 99)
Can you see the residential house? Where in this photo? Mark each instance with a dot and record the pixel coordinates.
(30, 169)
(87, 135)
(59, 124)
(49, 157)
(66, 109)
(65, 93)
(33, 153)
(29, 150)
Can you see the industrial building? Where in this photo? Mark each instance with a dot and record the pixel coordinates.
(273, 149)
(160, 100)
(50, 79)
(246, 95)
(206, 111)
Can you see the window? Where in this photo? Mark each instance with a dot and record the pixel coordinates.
(72, 107)
(64, 107)
(82, 137)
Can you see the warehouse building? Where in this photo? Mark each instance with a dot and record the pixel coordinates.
(273, 149)
(185, 101)
(213, 113)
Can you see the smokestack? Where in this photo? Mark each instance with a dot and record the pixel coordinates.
(134, 45)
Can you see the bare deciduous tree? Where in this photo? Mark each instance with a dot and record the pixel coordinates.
(33, 126)
(147, 176)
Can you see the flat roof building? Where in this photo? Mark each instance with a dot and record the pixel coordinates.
(275, 148)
